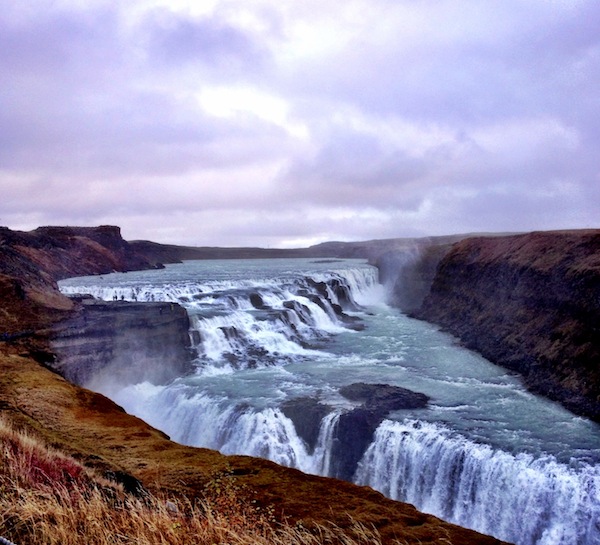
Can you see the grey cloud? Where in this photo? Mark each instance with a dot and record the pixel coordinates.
(144, 134)
(53, 40)
(100, 119)
(353, 169)
(513, 58)
(505, 208)
(77, 100)
(175, 40)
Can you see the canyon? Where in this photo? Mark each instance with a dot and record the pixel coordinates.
(530, 303)
(527, 302)
(36, 397)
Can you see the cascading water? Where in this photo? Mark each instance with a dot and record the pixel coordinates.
(485, 454)
(519, 498)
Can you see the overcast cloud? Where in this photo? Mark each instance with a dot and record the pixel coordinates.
(285, 123)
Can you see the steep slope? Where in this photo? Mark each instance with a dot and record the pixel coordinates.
(530, 303)
(32, 262)
(101, 435)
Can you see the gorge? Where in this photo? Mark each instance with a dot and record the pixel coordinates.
(408, 268)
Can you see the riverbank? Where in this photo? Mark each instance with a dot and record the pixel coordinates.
(530, 303)
(100, 435)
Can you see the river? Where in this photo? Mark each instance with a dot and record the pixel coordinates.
(485, 454)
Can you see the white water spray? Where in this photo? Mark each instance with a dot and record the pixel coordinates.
(262, 341)
(518, 498)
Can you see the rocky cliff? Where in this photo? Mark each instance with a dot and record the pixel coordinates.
(61, 252)
(32, 262)
(530, 303)
(122, 342)
(101, 435)
(409, 272)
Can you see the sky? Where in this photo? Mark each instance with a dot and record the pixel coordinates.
(281, 123)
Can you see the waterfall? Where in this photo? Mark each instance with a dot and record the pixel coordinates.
(518, 498)
(198, 419)
(249, 323)
(268, 333)
(320, 461)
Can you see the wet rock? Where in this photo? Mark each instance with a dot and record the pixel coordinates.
(306, 414)
(342, 292)
(301, 311)
(356, 428)
(353, 436)
(257, 301)
(383, 398)
(231, 332)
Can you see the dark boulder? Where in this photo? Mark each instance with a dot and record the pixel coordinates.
(301, 311)
(353, 436)
(384, 397)
(356, 428)
(306, 414)
(257, 301)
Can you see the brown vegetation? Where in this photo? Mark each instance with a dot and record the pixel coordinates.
(49, 498)
(115, 467)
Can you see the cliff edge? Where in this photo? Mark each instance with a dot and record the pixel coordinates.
(530, 303)
(32, 262)
(99, 434)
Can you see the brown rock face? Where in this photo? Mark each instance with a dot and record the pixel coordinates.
(32, 262)
(123, 342)
(101, 435)
(530, 303)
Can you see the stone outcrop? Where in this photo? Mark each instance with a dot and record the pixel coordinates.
(32, 262)
(356, 428)
(124, 342)
(530, 303)
(383, 398)
(62, 252)
(306, 414)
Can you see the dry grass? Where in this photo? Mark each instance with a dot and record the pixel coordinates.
(47, 498)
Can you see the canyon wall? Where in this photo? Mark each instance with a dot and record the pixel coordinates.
(37, 320)
(122, 342)
(118, 340)
(530, 303)
(408, 273)
(32, 262)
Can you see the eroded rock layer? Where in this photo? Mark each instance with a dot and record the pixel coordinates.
(530, 303)
(123, 342)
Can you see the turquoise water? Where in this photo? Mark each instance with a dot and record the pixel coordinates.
(485, 453)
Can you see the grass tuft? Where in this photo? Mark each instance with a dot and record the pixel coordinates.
(47, 498)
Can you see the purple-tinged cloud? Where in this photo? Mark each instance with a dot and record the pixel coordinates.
(277, 123)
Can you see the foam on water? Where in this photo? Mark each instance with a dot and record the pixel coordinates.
(485, 454)
(519, 498)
